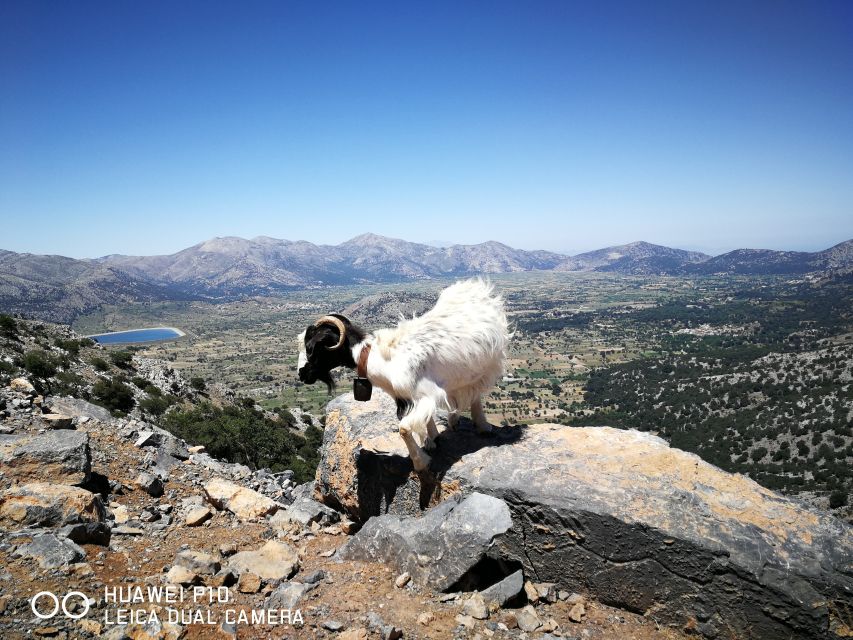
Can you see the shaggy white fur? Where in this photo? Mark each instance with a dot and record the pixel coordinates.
(446, 358)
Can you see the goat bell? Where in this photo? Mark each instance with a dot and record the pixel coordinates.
(362, 389)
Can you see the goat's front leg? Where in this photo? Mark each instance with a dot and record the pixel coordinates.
(417, 420)
(479, 417)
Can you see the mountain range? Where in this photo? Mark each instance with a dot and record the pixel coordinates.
(60, 288)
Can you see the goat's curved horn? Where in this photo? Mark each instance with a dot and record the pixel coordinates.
(337, 323)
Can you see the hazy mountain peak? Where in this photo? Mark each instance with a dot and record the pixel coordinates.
(226, 244)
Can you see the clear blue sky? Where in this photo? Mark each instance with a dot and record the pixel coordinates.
(145, 127)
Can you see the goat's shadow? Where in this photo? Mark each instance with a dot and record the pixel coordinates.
(387, 483)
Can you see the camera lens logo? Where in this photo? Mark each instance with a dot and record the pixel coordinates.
(46, 605)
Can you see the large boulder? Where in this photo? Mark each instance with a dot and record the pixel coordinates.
(51, 552)
(440, 548)
(59, 456)
(48, 505)
(615, 514)
(79, 408)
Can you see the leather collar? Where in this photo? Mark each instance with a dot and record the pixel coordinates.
(361, 370)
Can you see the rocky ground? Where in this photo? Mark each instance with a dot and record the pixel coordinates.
(159, 540)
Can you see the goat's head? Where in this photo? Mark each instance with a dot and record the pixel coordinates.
(326, 345)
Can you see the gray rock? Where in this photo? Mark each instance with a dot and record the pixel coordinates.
(148, 439)
(287, 595)
(57, 420)
(198, 562)
(61, 456)
(174, 448)
(150, 484)
(304, 511)
(615, 514)
(505, 590)
(52, 552)
(437, 549)
(476, 607)
(79, 408)
(273, 561)
(314, 577)
(528, 619)
(163, 464)
(87, 533)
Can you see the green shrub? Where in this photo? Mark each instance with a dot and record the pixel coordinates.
(8, 326)
(139, 381)
(241, 434)
(121, 359)
(100, 364)
(39, 363)
(114, 395)
(156, 405)
(198, 384)
(837, 499)
(8, 368)
(71, 346)
(67, 383)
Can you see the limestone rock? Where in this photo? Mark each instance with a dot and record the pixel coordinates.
(22, 385)
(475, 606)
(244, 503)
(578, 611)
(150, 484)
(437, 549)
(198, 562)
(304, 511)
(274, 561)
(198, 516)
(51, 552)
(249, 583)
(615, 514)
(528, 620)
(505, 590)
(287, 595)
(61, 456)
(48, 505)
(87, 533)
(57, 420)
(79, 408)
(402, 580)
(181, 575)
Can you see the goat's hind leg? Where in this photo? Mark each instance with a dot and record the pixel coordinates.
(432, 434)
(479, 417)
(417, 420)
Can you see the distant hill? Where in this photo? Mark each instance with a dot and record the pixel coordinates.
(638, 258)
(60, 288)
(767, 262)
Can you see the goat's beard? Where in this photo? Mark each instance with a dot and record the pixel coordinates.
(326, 377)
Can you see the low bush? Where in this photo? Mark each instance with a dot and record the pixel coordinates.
(114, 394)
(242, 434)
(40, 363)
(121, 359)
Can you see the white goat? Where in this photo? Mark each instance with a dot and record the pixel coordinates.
(446, 358)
